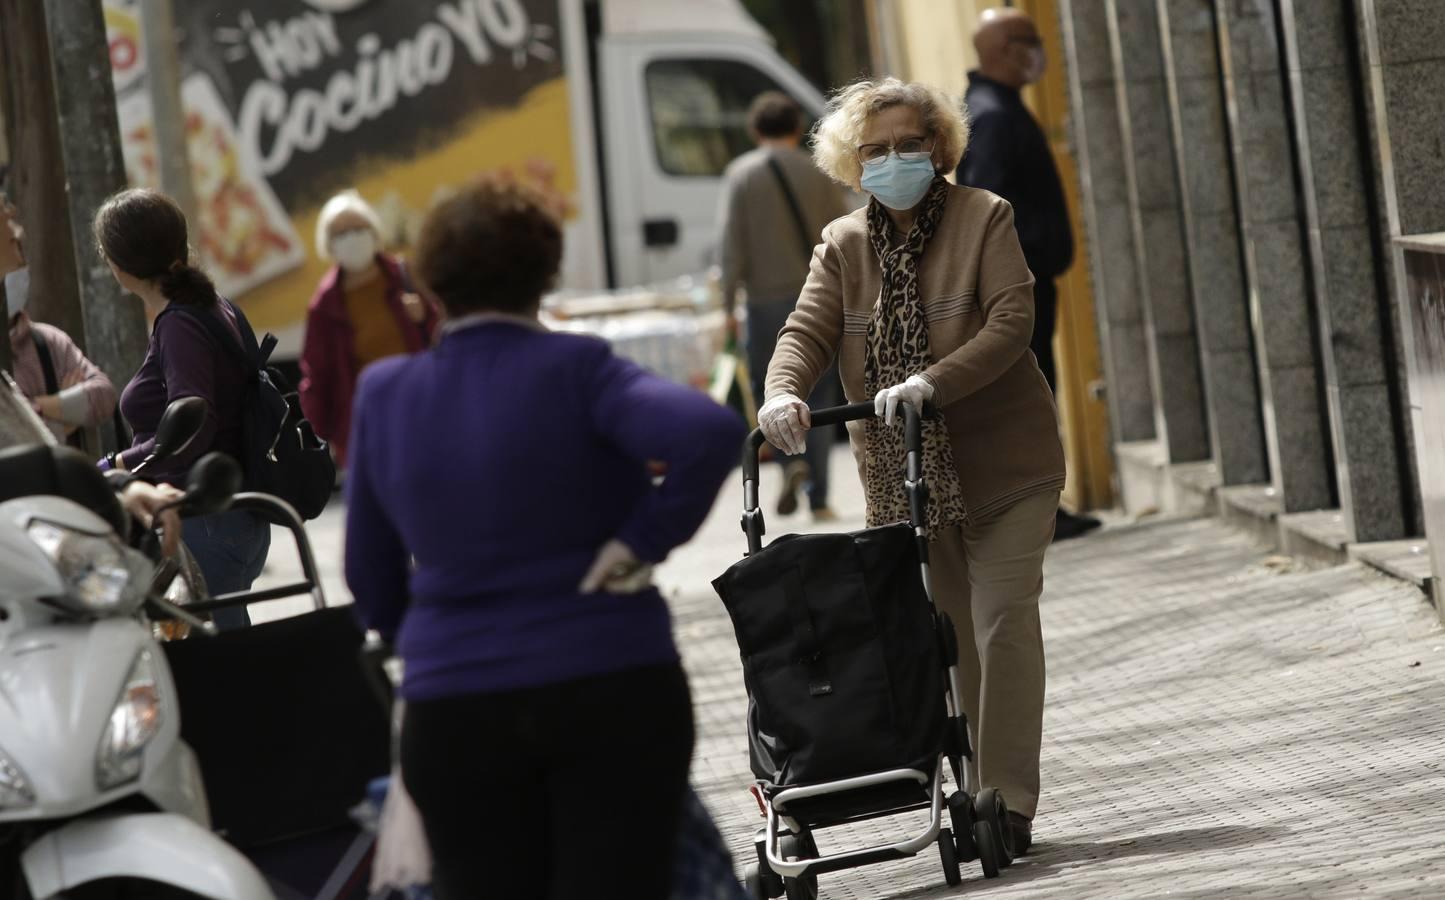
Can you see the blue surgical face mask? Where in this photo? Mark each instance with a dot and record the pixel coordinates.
(899, 183)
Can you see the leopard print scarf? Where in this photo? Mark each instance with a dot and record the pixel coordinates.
(898, 349)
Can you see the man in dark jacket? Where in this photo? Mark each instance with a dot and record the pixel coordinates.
(1009, 155)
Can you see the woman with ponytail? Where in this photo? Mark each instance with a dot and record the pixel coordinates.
(142, 235)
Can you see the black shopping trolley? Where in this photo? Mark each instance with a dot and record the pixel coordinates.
(852, 683)
(285, 723)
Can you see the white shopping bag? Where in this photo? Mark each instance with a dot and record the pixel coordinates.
(403, 859)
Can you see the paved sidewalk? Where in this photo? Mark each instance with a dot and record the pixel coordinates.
(1217, 726)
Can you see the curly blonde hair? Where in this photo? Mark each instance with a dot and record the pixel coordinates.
(838, 134)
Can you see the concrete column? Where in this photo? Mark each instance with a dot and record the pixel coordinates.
(1381, 214)
(1211, 230)
(115, 331)
(1353, 310)
(1405, 67)
(1109, 233)
(1161, 260)
(1277, 269)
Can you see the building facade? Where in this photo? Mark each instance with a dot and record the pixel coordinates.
(1263, 196)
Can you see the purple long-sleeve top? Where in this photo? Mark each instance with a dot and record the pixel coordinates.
(182, 360)
(485, 476)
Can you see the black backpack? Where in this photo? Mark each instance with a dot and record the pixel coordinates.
(283, 455)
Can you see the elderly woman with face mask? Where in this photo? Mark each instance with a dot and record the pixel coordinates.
(364, 309)
(924, 296)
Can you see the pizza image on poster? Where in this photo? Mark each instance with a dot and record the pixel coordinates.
(244, 236)
(125, 43)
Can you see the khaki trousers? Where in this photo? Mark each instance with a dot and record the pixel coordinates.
(988, 577)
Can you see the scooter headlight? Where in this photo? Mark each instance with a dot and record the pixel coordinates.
(134, 721)
(92, 566)
(15, 791)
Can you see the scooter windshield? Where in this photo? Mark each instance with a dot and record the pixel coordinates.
(19, 425)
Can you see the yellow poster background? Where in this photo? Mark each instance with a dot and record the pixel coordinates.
(532, 140)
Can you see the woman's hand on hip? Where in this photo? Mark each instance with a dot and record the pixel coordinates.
(616, 570)
(916, 391)
(785, 421)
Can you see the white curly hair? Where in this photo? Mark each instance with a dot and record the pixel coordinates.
(840, 131)
(347, 201)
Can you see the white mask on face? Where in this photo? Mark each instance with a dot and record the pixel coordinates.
(354, 250)
(17, 292)
(1036, 65)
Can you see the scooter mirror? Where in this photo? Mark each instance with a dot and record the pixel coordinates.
(179, 425)
(211, 484)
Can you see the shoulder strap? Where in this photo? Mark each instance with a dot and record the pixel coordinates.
(47, 364)
(246, 351)
(52, 381)
(793, 206)
(259, 351)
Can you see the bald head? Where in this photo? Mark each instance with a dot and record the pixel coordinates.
(1009, 48)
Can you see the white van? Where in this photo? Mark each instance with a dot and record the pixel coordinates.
(673, 82)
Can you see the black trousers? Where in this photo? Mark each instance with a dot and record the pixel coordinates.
(1046, 301)
(561, 792)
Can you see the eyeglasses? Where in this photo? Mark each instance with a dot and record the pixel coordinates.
(908, 148)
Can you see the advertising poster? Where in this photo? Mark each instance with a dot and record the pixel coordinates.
(289, 101)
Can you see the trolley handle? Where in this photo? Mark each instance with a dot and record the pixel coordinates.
(753, 524)
(277, 512)
(833, 415)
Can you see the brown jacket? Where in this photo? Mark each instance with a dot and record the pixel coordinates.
(978, 298)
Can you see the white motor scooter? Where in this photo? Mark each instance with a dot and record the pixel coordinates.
(96, 787)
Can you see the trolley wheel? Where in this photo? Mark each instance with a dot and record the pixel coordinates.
(961, 815)
(987, 846)
(770, 882)
(991, 809)
(757, 884)
(948, 854)
(793, 846)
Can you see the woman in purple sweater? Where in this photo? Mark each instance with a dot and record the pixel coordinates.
(142, 236)
(501, 524)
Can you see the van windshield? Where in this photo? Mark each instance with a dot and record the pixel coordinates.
(699, 112)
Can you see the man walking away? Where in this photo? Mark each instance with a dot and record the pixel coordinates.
(1009, 155)
(775, 205)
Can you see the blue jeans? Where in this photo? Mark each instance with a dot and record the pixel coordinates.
(765, 320)
(230, 548)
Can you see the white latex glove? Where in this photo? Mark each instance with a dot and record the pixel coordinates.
(785, 421)
(916, 390)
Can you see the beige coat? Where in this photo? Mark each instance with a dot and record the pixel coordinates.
(978, 299)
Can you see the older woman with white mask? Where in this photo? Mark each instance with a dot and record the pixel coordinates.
(364, 309)
(924, 296)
